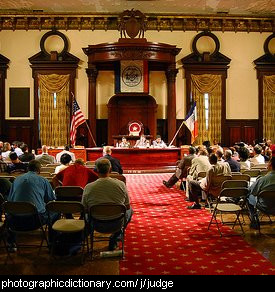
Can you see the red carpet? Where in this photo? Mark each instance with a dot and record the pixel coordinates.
(164, 238)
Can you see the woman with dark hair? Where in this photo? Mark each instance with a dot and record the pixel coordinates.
(65, 160)
(244, 158)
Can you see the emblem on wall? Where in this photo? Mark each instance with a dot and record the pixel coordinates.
(131, 76)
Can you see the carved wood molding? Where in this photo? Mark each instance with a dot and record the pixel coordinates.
(89, 21)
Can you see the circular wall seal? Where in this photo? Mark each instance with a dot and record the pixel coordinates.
(134, 127)
(131, 76)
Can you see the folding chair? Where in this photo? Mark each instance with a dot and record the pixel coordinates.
(49, 169)
(224, 207)
(269, 200)
(67, 226)
(264, 172)
(242, 176)
(2, 226)
(11, 178)
(259, 166)
(45, 174)
(215, 188)
(26, 213)
(107, 218)
(69, 193)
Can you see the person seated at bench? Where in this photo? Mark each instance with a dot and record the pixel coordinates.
(159, 143)
(124, 143)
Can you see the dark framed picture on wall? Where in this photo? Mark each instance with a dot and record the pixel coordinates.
(19, 102)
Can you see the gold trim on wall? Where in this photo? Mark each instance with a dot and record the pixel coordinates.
(90, 21)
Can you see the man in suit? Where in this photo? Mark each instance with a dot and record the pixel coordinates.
(182, 167)
(116, 166)
(45, 158)
(234, 165)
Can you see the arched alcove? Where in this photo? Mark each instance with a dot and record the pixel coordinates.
(122, 108)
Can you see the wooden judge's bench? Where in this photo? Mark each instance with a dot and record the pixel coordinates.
(133, 159)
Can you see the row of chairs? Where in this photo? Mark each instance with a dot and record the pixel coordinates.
(233, 199)
(78, 224)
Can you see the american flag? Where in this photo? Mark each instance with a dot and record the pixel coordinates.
(77, 120)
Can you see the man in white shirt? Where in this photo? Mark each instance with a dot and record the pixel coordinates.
(258, 157)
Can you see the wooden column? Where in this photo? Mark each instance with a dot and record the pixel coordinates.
(3, 75)
(171, 74)
(92, 73)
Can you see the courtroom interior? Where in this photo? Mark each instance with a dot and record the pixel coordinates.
(163, 109)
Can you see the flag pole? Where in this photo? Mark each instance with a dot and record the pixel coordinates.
(176, 134)
(89, 130)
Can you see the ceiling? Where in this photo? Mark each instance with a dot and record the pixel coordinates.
(187, 7)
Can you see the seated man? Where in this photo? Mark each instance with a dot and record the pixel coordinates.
(124, 143)
(158, 143)
(107, 190)
(75, 175)
(45, 158)
(234, 165)
(142, 142)
(116, 166)
(258, 158)
(66, 150)
(16, 148)
(26, 156)
(182, 168)
(32, 188)
(208, 183)
(264, 183)
(16, 165)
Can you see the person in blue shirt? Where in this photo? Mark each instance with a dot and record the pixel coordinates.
(30, 187)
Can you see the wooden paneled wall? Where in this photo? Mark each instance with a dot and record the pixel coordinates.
(240, 130)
